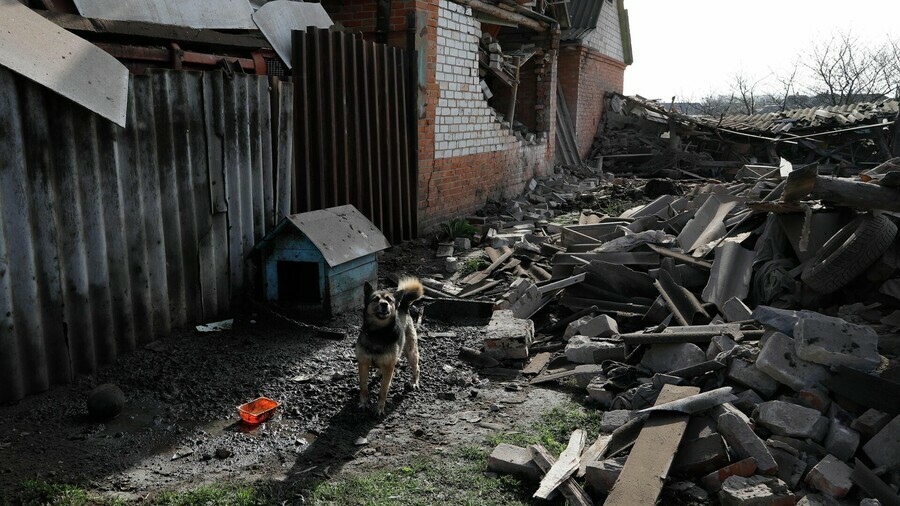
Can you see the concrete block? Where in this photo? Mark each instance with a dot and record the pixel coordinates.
(451, 265)
(791, 468)
(788, 419)
(713, 481)
(721, 409)
(814, 397)
(599, 394)
(462, 243)
(701, 456)
(612, 420)
(719, 344)
(747, 400)
(601, 476)
(841, 441)
(593, 326)
(870, 423)
(584, 350)
(830, 476)
(755, 491)
(734, 310)
(669, 357)
(510, 459)
(745, 373)
(782, 320)
(833, 341)
(778, 360)
(444, 250)
(508, 336)
(746, 443)
(884, 448)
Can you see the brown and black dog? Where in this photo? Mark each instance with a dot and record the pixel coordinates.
(387, 331)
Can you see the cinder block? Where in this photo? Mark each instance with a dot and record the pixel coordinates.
(830, 476)
(510, 459)
(746, 443)
(788, 419)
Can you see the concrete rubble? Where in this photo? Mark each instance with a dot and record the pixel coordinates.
(717, 284)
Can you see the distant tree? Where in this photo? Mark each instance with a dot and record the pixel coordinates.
(717, 106)
(845, 71)
(746, 90)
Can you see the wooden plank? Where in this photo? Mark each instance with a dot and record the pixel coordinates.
(564, 467)
(476, 290)
(648, 464)
(537, 363)
(556, 285)
(581, 369)
(569, 488)
(592, 453)
(482, 275)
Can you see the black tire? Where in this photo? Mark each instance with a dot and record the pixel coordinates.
(849, 252)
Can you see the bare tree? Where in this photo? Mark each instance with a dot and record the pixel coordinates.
(786, 90)
(845, 71)
(746, 91)
(717, 106)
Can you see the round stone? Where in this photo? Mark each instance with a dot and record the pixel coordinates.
(105, 402)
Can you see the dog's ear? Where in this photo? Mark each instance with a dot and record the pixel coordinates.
(367, 291)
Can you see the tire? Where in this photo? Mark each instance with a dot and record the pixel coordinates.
(849, 252)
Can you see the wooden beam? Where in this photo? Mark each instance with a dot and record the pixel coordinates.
(569, 488)
(645, 471)
(503, 14)
(564, 467)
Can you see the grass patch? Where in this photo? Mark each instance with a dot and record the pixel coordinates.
(218, 495)
(40, 493)
(472, 264)
(553, 429)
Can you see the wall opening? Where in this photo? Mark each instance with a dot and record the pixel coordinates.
(298, 283)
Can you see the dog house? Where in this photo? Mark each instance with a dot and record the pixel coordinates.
(319, 261)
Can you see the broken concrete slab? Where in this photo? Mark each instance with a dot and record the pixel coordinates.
(831, 476)
(719, 344)
(788, 419)
(841, 441)
(515, 460)
(884, 448)
(734, 310)
(871, 422)
(585, 350)
(747, 374)
(746, 443)
(701, 456)
(598, 393)
(601, 476)
(791, 467)
(778, 359)
(782, 320)
(669, 357)
(508, 336)
(833, 341)
(596, 326)
(713, 481)
(755, 491)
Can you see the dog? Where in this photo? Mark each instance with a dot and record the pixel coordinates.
(387, 331)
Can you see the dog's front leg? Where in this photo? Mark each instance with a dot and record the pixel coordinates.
(364, 366)
(387, 374)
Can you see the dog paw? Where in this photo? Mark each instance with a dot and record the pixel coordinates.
(380, 411)
(363, 403)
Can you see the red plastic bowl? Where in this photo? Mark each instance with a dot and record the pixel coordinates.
(257, 411)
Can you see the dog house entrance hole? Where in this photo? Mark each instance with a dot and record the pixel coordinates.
(298, 282)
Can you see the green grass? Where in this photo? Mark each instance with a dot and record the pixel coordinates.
(457, 477)
(472, 264)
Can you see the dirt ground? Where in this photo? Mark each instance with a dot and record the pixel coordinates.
(180, 429)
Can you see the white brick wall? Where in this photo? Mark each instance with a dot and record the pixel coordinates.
(464, 123)
(607, 38)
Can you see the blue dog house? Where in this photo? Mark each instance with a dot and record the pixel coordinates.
(319, 261)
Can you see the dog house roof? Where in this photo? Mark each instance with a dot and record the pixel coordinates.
(340, 233)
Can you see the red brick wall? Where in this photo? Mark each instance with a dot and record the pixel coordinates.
(586, 75)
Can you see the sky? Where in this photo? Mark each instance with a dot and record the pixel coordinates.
(694, 48)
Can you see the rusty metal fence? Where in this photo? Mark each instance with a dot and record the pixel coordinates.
(110, 237)
(355, 139)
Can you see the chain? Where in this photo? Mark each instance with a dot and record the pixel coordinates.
(322, 330)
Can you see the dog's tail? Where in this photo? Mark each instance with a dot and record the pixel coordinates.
(410, 289)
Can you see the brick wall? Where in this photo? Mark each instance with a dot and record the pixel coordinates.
(586, 76)
(607, 38)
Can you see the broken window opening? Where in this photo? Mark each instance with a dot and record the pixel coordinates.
(508, 81)
(298, 283)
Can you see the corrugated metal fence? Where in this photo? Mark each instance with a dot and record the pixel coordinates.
(356, 134)
(111, 237)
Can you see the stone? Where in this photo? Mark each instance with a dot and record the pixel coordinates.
(593, 326)
(601, 476)
(451, 265)
(747, 400)
(713, 481)
(841, 441)
(508, 336)
(612, 420)
(462, 243)
(105, 402)
(755, 491)
(734, 310)
(746, 373)
(814, 397)
(884, 448)
(833, 341)
(515, 460)
(670, 357)
(870, 423)
(788, 419)
(782, 320)
(791, 468)
(584, 350)
(746, 443)
(830, 476)
(778, 360)
(721, 409)
(444, 250)
(476, 358)
(223, 453)
(701, 456)
(597, 393)
(719, 344)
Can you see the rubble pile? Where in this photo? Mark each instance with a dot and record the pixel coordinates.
(740, 337)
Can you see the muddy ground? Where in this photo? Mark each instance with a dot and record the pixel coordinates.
(180, 428)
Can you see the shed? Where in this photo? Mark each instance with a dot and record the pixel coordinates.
(320, 260)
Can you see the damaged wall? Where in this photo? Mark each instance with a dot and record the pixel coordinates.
(112, 237)
(465, 155)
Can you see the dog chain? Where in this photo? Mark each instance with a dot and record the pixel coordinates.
(323, 330)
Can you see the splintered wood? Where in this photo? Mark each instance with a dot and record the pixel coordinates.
(564, 467)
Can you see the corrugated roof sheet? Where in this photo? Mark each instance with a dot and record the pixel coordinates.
(810, 118)
(584, 15)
